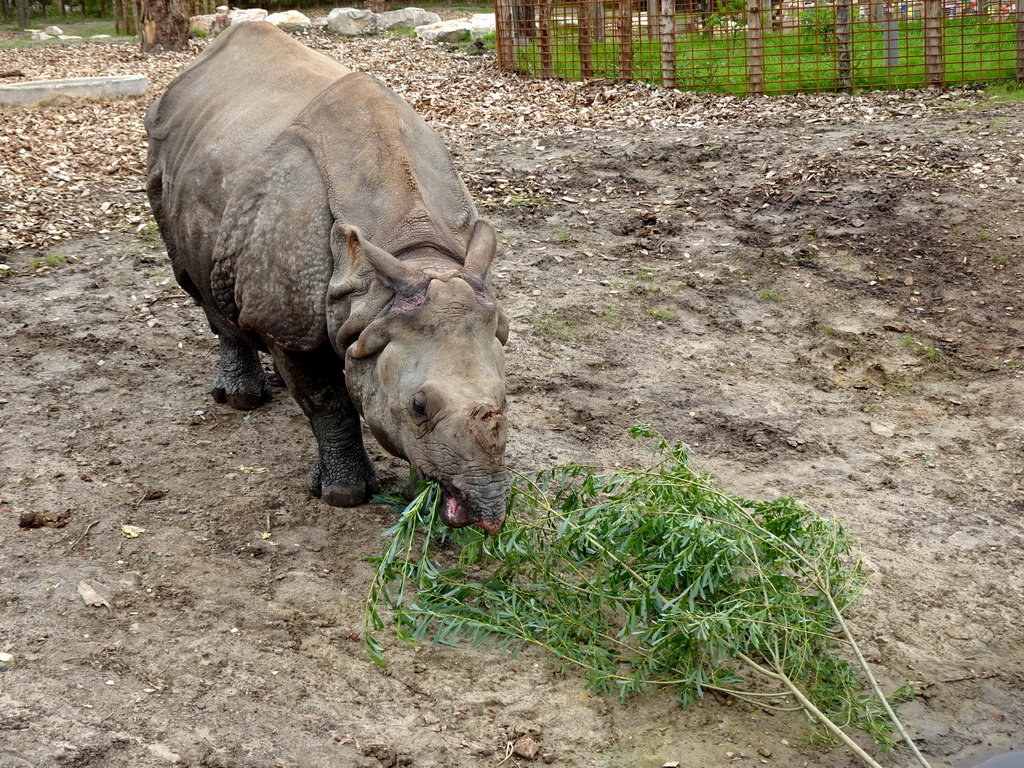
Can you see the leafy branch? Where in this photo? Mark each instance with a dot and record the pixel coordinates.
(645, 578)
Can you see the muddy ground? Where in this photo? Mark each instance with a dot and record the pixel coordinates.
(830, 308)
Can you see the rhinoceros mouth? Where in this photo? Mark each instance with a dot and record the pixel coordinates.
(455, 512)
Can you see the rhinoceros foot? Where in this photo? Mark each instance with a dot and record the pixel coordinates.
(353, 487)
(240, 380)
(240, 401)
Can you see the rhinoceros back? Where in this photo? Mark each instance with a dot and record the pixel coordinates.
(258, 149)
(213, 120)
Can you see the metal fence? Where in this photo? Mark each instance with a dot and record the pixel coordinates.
(765, 46)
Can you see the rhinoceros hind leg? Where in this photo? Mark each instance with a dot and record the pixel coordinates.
(240, 381)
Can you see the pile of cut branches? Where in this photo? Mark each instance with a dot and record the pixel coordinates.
(642, 578)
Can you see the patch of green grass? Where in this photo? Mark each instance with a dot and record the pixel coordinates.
(824, 327)
(975, 49)
(612, 318)
(556, 326)
(665, 314)
(1007, 91)
(767, 294)
(921, 348)
(149, 231)
(402, 32)
(898, 385)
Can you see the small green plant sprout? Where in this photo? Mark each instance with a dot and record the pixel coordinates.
(983, 235)
(5, 271)
(769, 294)
(55, 259)
(664, 314)
(646, 578)
(1005, 92)
(612, 318)
(921, 348)
(555, 326)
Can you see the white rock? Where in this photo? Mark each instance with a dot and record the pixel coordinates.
(53, 31)
(445, 31)
(405, 17)
(289, 18)
(481, 25)
(69, 37)
(350, 21)
(37, 34)
(882, 430)
(208, 24)
(99, 37)
(239, 15)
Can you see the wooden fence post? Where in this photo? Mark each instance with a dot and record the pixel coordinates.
(668, 43)
(755, 48)
(933, 28)
(626, 39)
(585, 27)
(504, 31)
(547, 68)
(844, 48)
(1020, 41)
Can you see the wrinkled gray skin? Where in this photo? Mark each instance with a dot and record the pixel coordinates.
(312, 214)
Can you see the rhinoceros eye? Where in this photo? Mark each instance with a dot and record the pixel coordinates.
(419, 406)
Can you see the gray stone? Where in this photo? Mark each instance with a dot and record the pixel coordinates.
(350, 21)
(481, 25)
(108, 86)
(445, 31)
(405, 17)
(53, 31)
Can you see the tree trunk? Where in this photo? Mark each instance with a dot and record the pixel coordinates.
(21, 6)
(164, 25)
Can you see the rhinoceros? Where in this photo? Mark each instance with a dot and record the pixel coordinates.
(312, 214)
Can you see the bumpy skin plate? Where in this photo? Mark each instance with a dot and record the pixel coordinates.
(349, 249)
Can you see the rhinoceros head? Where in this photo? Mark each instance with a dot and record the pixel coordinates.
(422, 339)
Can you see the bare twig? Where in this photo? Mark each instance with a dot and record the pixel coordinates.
(812, 710)
(79, 539)
(870, 677)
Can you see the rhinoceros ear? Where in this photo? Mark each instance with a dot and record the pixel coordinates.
(404, 280)
(367, 279)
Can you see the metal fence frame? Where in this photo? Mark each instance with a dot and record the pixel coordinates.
(765, 46)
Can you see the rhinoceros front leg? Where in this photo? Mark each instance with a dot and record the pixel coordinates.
(343, 475)
(240, 381)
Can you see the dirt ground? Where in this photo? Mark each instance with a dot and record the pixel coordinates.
(831, 308)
